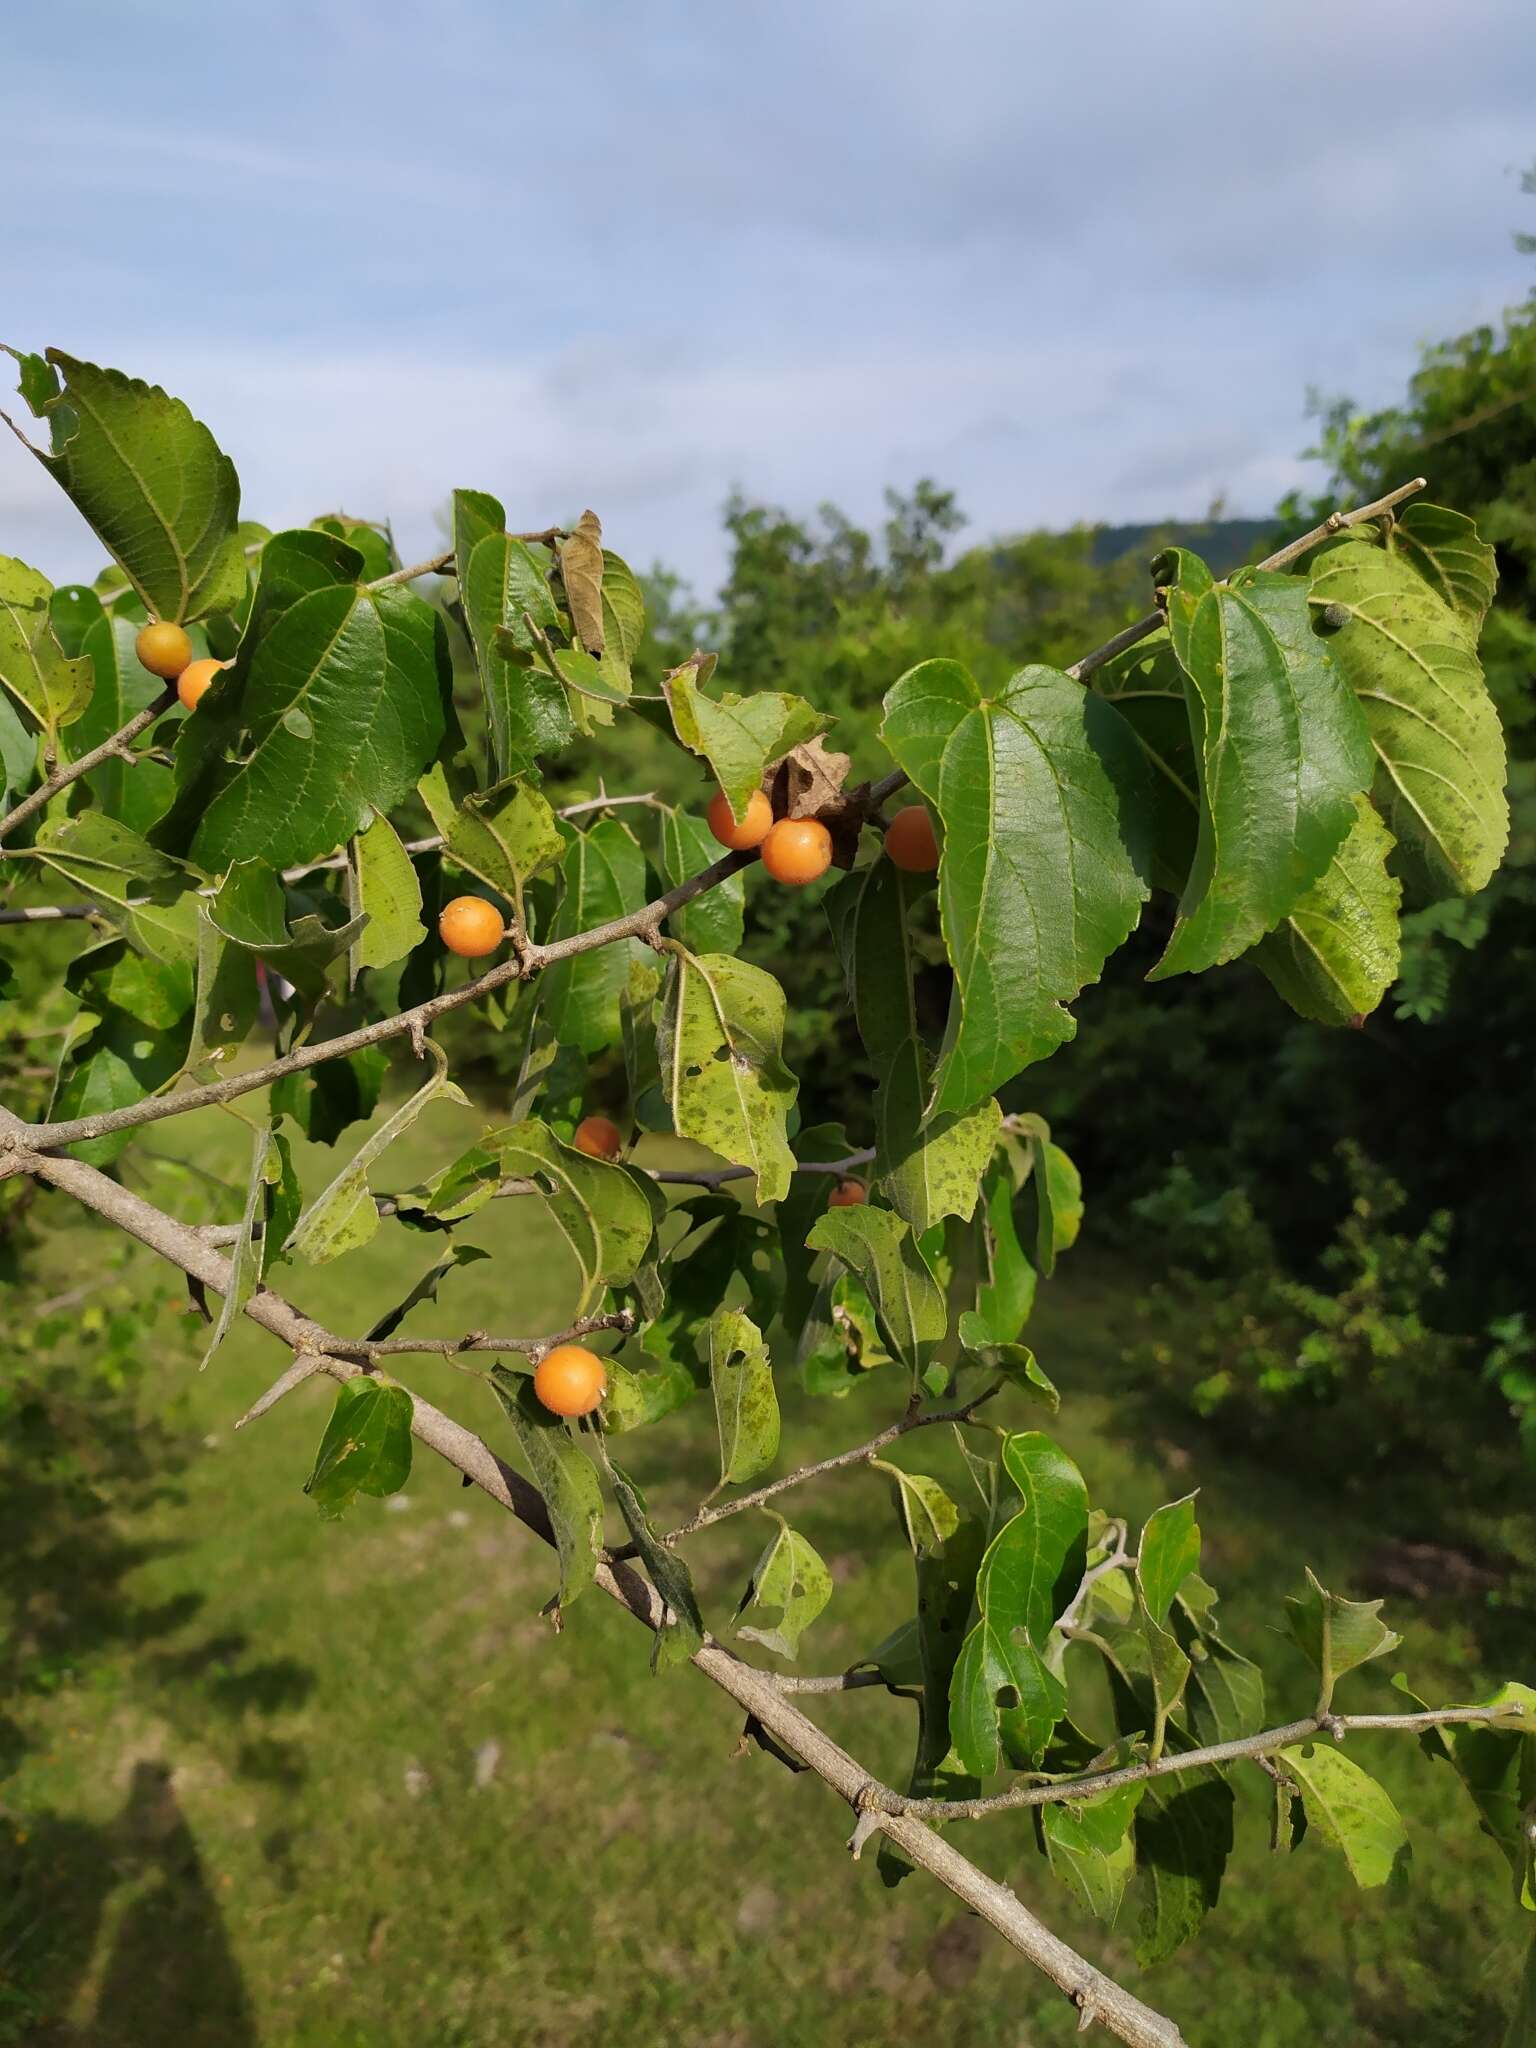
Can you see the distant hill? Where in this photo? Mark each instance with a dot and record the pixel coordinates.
(1224, 543)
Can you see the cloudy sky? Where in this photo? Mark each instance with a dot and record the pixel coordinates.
(1079, 261)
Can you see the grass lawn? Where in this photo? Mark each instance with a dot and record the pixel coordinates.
(308, 1785)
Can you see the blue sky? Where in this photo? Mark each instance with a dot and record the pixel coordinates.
(1078, 261)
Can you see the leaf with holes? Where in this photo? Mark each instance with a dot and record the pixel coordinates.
(1042, 791)
(791, 1577)
(1349, 1809)
(366, 1447)
(720, 1040)
(746, 1407)
(1412, 662)
(154, 484)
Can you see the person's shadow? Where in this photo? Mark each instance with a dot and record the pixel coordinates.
(170, 1976)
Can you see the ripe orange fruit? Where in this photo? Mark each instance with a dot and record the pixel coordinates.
(163, 649)
(910, 842)
(753, 828)
(471, 926)
(797, 850)
(570, 1380)
(599, 1137)
(192, 683)
(848, 1194)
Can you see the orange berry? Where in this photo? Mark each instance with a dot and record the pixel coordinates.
(570, 1380)
(192, 684)
(848, 1194)
(910, 842)
(163, 649)
(752, 830)
(471, 926)
(797, 850)
(599, 1137)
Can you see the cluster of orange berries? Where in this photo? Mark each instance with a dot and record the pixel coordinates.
(166, 652)
(793, 850)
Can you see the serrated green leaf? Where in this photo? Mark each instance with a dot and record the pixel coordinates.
(366, 1447)
(343, 1216)
(1337, 953)
(600, 1208)
(1444, 547)
(252, 909)
(1498, 1767)
(506, 835)
(1281, 749)
(33, 666)
(136, 792)
(565, 1477)
(604, 877)
(737, 736)
(711, 923)
(368, 671)
(119, 1061)
(623, 621)
(1337, 1634)
(879, 1248)
(683, 1630)
(1091, 1847)
(746, 1406)
(501, 580)
(1041, 790)
(385, 890)
(1183, 1836)
(791, 1577)
(927, 1513)
(151, 481)
(148, 897)
(1412, 661)
(720, 1040)
(245, 1254)
(926, 1170)
(1168, 1552)
(1146, 686)
(1349, 1809)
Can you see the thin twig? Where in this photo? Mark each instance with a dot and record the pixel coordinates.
(49, 913)
(442, 565)
(434, 840)
(1214, 1754)
(705, 1516)
(61, 778)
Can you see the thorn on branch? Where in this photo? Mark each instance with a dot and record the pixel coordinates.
(1087, 2009)
(868, 1823)
(754, 1731)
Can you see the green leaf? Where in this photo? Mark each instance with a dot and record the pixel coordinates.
(423, 1289)
(604, 874)
(501, 579)
(333, 717)
(1003, 1692)
(152, 482)
(284, 1202)
(1146, 686)
(600, 1209)
(343, 1216)
(880, 1250)
(1226, 1690)
(120, 1061)
(1058, 1190)
(325, 1101)
(1006, 1293)
(1337, 1634)
(1281, 749)
(1350, 1810)
(927, 1513)
(791, 1577)
(737, 736)
(505, 835)
(386, 890)
(366, 1447)
(1412, 661)
(746, 1407)
(1018, 1365)
(1522, 2023)
(711, 923)
(245, 1254)
(926, 1171)
(1183, 1839)
(1090, 1846)
(33, 666)
(148, 897)
(1337, 953)
(683, 1631)
(563, 1475)
(251, 908)
(136, 792)
(623, 621)
(1498, 1767)
(720, 1039)
(1168, 1552)
(1041, 791)
(1444, 547)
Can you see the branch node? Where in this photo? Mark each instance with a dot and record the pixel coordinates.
(1087, 2009)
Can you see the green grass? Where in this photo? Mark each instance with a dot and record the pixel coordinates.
(317, 1785)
